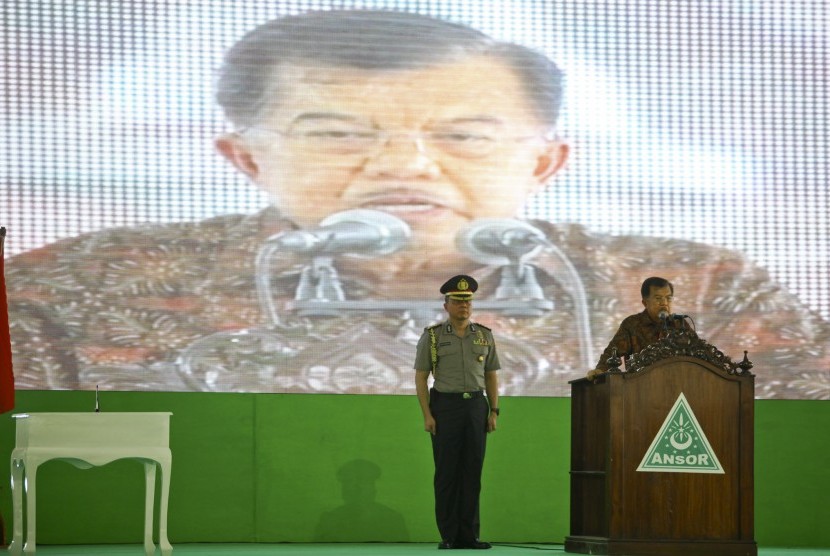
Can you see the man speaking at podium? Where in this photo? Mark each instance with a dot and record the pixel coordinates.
(442, 133)
(639, 331)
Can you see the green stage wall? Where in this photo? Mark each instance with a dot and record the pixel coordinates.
(306, 468)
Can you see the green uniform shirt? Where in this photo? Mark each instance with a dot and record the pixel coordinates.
(461, 362)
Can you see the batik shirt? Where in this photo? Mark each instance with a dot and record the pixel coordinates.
(637, 332)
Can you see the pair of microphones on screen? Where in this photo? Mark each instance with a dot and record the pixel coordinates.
(376, 233)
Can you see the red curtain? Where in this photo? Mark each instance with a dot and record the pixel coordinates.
(6, 374)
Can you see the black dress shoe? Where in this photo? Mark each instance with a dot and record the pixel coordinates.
(446, 545)
(476, 545)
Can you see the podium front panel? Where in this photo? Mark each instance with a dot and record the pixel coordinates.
(678, 505)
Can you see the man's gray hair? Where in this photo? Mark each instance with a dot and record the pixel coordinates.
(373, 40)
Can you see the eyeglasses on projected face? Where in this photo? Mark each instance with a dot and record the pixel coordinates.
(351, 141)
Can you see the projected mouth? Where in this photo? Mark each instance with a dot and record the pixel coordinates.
(406, 205)
(413, 207)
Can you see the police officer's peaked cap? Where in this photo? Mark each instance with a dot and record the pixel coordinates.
(460, 287)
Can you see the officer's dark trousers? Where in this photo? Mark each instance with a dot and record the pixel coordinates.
(458, 449)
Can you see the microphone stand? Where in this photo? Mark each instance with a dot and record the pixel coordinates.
(664, 319)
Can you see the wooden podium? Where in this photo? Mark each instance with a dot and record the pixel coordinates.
(662, 455)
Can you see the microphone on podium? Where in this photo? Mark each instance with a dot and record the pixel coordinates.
(665, 319)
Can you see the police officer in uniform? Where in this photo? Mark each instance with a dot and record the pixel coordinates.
(462, 357)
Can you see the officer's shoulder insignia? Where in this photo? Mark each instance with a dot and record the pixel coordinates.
(433, 327)
(488, 329)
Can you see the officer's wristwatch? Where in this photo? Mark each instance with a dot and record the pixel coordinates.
(494, 410)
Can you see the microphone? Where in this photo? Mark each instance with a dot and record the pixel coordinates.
(369, 232)
(497, 241)
(511, 243)
(665, 315)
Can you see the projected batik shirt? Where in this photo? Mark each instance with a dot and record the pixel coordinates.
(178, 307)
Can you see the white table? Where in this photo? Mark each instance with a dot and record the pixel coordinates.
(86, 440)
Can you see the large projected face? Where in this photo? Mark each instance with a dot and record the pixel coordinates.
(437, 147)
(366, 156)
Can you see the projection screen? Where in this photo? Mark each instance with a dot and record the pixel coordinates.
(281, 219)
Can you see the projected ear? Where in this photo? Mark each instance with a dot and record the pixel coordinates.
(234, 148)
(550, 161)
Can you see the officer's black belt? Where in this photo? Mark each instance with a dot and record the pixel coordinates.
(459, 395)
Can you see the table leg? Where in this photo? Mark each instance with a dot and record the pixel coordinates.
(16, 547)
(149, 503)
(166, 467)
(30, 485)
